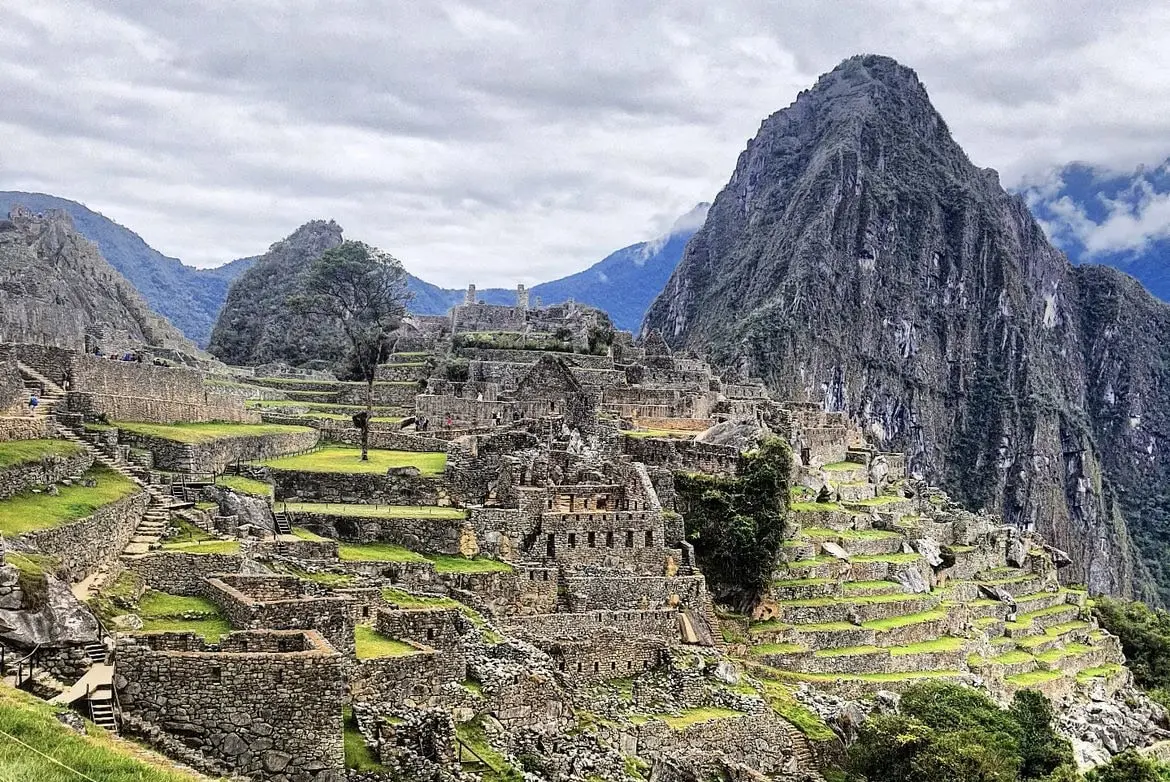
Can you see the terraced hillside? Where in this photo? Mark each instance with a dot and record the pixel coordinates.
(885, 581)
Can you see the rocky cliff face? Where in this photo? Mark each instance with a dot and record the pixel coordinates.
(256, 325)
(55, 288)
(858, 258)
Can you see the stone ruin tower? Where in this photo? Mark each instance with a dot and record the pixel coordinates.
(521, 297)
(469, 297)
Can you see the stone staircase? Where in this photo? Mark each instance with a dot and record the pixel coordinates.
(283, 523)
(101, 709)
(158, 512)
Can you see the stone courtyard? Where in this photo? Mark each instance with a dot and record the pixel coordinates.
(507, 586)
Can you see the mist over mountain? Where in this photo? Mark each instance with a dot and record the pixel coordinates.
(1118, 219)
(859, 259)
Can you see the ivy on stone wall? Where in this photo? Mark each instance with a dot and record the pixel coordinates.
(736, 523)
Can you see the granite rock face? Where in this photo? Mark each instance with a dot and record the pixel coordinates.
(256, 326)
(859, 259)
(55, 288)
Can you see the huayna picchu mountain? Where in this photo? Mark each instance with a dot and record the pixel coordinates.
(858, 258)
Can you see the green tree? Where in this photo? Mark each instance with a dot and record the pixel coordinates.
(1042, 751)
(886, 749)
(1145, 639)
(363, 290)
(736, 523)
(1129, 766)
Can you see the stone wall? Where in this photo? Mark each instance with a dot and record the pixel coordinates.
(438, 628)
(525, 590)
(12, 394)
(383, 438)
(23, 428)
(383, 683)
(129, 391)
(617, 591)
(605, 655)
(48, 470)
(181, 573)
(52, 362)
(215, 456)
(88, 544)
(278, 602)
(261, 704)
(399, 488)
(586, 360)
(385, 394)
(686, 455)
(660, 623)
(422, 534)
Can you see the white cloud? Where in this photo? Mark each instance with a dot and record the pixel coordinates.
(518, 141)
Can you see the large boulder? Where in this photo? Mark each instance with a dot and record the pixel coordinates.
(739, 435)
(248, 508)
(51, 615)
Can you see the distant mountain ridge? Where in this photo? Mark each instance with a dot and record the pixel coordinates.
(189, 298)
(623, 284)
(1117, 219)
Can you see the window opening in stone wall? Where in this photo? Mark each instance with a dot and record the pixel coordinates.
(629, 538)
(649, 537)
(430, 633)
(609, 539)
(592, 540)
(572, 540)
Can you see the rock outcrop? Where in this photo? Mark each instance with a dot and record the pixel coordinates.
(256, 325)
(57, 289)
(857, 258)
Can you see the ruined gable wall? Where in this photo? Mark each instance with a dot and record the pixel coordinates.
(182, 573)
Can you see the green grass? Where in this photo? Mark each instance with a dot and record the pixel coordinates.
(835, 466)
(1032, 678)
(935, 646)
(893, 559)
(690, 717)
(814, 602)
(884, 499)
(370, 644)
(780, 698)
(165, 613)
(188, 532)
(1014, 657)
(498, 769)
(358, 755)
(376, 511)
(279, 403)
(205, 432)
(852, 587)
(825, 627)
(805, 507)
(22, 451)
(1023, 620)
(242, 485)
(449, 563)
(340, 459)
(376, 552)
(305, 534)
(894, 622)
(205, 547)
(763, 649)
(800, 582)
(404, 599)
(1053, 656)
(771, 625)
(1099, 671)
(644, 433)
(30, 511)
(848, 651)
(94, 754)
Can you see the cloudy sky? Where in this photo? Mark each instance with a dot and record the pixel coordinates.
(518, 141)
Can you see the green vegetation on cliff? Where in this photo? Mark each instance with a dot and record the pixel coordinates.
(736, 523)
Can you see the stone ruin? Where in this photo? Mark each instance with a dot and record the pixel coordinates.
(536, 604)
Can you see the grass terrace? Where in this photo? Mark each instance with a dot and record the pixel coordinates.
(94, 754)
(370, 644)
(166, 613)
(325, 406)
(841, 466)
(13, 452)
(341, 459)
(690, 717)
(375, 511)
(29, 511)
(205, 432)
(358, 755)
(404, 599)
(673, 433)
(204, 547)
(1032, 678)
(242, 485)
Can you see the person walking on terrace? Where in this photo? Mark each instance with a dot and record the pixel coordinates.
(32, 403)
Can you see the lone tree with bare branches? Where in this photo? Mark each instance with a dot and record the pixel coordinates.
(363, 290)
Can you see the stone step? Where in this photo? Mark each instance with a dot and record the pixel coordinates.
(857, 610)
(145, 539)
(136, 548)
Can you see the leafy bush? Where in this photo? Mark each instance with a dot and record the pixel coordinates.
(736, 524)
(1145, 639)
(950, 733)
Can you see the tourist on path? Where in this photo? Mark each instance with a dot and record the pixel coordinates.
(32, 403)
